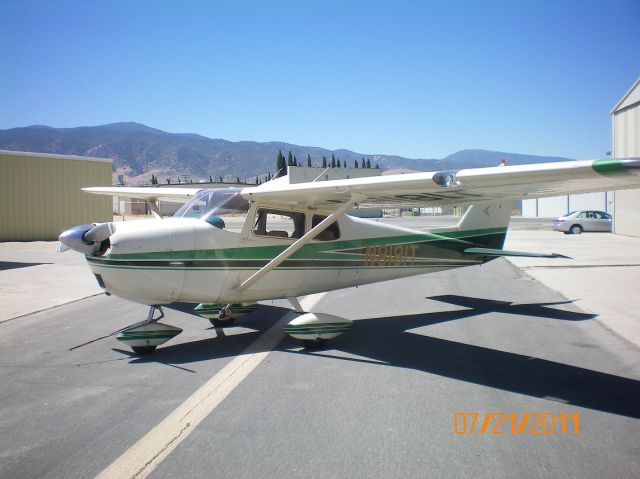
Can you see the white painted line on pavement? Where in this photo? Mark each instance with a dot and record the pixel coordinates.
(146, 454)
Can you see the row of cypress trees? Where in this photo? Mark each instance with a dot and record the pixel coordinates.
(281, 163)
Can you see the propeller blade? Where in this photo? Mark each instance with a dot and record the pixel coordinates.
(100, 232)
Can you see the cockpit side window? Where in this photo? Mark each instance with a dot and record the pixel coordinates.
(278, 223)
(224, 208)
(330, 234)
(223, 201)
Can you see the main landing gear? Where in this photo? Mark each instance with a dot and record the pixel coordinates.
(223, 315)
(315, 329)
(145, 336)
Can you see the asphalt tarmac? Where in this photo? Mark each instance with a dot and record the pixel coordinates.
(379, 401)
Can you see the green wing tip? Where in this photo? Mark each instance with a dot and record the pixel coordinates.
(613, 166)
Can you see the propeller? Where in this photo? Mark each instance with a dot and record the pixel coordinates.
(99, 233)
(85, 239)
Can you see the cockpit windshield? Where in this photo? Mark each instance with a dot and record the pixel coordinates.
(224, 203)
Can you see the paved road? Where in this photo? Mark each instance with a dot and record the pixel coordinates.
(377, 402)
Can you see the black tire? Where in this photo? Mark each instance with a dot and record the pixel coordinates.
(314, 343)
(222, 323)
(576, 230)
(143, 350)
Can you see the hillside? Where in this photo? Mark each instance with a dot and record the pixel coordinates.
(139, 151)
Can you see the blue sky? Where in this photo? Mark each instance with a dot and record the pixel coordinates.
(421, 79)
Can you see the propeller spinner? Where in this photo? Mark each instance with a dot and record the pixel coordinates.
(86, 239)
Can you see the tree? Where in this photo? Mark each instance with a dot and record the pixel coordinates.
(324, 161)
(308, 160)
(368, 163)
(338, 163)
(210, 179)
(333, 161)
(281, 166)
(290, 159)
(295, 161)
(377, 166)
(221, 180)
(355, 164)
(238, 179)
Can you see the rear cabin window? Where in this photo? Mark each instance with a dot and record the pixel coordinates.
(330, 234)
(278, 223)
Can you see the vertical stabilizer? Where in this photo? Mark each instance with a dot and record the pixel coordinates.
(488, 222)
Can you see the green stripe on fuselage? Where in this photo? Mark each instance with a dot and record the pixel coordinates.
(421, 250)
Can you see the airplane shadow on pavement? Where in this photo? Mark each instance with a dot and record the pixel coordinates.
(386, 341)
(6, 265)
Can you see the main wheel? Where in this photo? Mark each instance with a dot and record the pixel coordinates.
(222, 323)
(314, 343)
(142, 350)
(576, 230)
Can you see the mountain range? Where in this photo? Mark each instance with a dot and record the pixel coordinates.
(139, 151)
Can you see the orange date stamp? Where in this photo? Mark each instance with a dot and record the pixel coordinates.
(527, 423)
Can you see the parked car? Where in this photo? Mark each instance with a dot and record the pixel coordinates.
(582, 220)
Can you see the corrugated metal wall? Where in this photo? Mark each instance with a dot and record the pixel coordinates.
(589, 201)
(626, 218)
(626, 144)
(626, 133)
(555, 206)
(40, 194)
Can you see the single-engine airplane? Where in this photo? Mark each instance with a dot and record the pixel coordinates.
(228, 248)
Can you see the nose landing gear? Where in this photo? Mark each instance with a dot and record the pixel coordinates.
(145, 336)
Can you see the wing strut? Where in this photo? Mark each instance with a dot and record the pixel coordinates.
(319, 228)
(155, 209)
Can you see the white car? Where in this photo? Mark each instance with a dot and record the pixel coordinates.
(582, 220)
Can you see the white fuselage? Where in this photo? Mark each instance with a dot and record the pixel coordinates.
(164, 261)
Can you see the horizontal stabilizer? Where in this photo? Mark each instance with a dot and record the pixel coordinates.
(502, 252)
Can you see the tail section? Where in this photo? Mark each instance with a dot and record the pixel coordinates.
(487, 223)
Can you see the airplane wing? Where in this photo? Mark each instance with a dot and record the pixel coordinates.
(151, 194)
(458, 187)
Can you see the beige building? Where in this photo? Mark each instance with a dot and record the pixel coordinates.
(303, 174)
(625, 132)
(40, 194)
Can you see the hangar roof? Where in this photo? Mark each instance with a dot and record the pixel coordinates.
(49, 155)
(629, 99)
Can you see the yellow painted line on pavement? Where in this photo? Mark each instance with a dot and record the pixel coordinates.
(146, 454)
